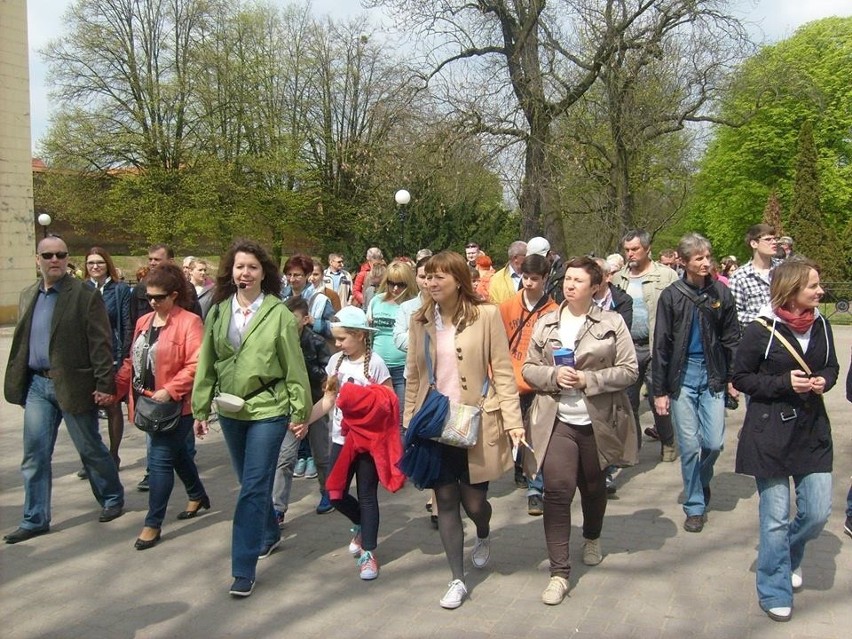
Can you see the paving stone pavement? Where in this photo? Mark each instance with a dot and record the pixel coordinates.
(85, 579)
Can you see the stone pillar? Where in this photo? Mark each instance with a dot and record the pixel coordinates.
(17, 233)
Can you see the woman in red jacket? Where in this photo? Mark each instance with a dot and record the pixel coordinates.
(162, 361)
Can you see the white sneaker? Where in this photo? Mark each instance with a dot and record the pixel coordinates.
(555, 592)
(481, 552)
(355, 544)
(781, 613)
(455, 595)
(796, 579)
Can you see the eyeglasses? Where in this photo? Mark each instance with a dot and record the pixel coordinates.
(93, 264)
(397, 284)
(770, 240)
(156, 297)
(61, 255)
(472, 246)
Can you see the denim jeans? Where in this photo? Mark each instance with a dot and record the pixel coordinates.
(42, 416)
(253, 446)
(398, 381)
(782, 542)
(699, 420)
(319, 437)
(169, 454)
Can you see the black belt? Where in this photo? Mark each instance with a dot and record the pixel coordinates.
(44, 372)
(641, 342)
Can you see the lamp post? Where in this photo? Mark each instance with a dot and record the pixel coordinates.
(402, 198)
(44, 220)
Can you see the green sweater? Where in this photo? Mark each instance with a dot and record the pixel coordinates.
(270, 350)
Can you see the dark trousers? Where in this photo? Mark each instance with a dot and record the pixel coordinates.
(663, 423)
(363, 511)
(571, 462)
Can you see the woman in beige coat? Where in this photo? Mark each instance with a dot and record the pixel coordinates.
(466, 342)
(581, 419)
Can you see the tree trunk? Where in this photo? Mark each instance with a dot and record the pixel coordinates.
(539, 215)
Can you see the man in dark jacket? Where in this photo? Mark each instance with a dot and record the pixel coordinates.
(695, 334)
(60, 367)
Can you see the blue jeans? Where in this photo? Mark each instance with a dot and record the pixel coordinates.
(699, 420)
(169, 454)
(42, 416)
(782, 542)
(253, 446)
(398, 381)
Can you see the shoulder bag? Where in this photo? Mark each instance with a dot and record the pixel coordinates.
(463, 422)
(150, 415)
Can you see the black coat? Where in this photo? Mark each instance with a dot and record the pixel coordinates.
(784, 433)
(719, 335)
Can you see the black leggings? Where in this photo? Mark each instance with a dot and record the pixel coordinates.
(363, 511)
(474, 499)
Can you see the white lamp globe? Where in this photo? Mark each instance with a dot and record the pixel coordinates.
(44, 219)
(402, 197)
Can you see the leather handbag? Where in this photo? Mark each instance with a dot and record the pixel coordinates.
(463, 422)
(152, 416)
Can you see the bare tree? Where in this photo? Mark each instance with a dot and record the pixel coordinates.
(125, 74)
(511, 68)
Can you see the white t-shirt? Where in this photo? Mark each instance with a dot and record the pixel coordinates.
(353, 373)
(572, 407)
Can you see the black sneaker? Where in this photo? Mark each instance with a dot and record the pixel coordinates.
(848, 527)
(535, 506)
(268, 550)
(242, 587)
(143, 486)
(83, 473)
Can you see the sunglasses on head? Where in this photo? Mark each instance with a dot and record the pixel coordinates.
(396, 284)
(58, 254)
(156, 297)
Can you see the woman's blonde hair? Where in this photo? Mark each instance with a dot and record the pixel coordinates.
(400, 272)
(787, 279)
(466, 310)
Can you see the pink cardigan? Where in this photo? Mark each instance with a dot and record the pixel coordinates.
(177, 357)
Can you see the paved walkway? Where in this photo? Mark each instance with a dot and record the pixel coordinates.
(85, 579)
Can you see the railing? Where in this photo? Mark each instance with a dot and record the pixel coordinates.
(837, 297)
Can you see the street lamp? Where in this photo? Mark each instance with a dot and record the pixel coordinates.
(402, 198)
(44, 219)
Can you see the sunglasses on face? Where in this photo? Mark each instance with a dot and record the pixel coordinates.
(156, 297)
(396, 284)
(476, 246)
(58, 254)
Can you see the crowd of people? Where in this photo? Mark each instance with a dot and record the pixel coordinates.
(442, 371)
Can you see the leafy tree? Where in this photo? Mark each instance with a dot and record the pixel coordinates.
(803, 78)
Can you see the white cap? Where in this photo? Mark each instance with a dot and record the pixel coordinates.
(538, 246)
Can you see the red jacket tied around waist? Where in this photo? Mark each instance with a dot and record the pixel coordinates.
(370, 425)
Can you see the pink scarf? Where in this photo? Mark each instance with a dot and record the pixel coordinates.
(800, 323)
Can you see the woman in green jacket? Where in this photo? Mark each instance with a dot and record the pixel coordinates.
(251, 352)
